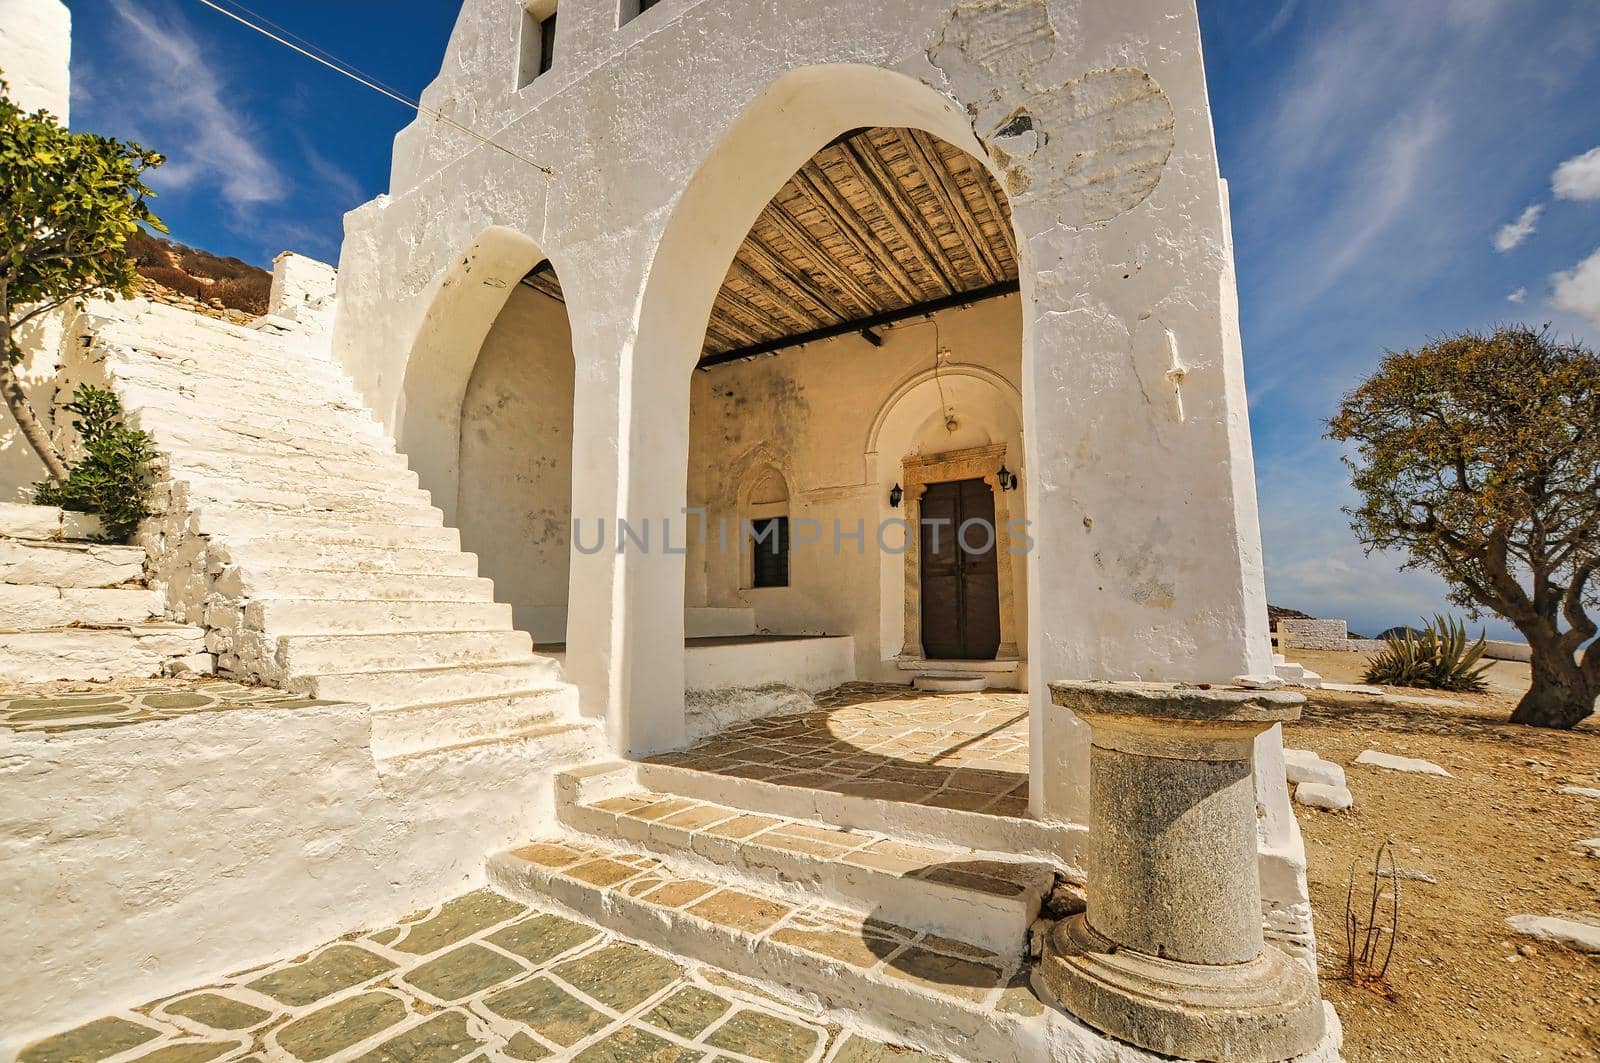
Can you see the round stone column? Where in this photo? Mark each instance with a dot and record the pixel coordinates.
(1169, 954)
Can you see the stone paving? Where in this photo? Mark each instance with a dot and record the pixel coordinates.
(480, 977)
(960, 751)
(55, 708)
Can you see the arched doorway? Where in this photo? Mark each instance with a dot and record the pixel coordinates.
(883, 266)
(486, 418)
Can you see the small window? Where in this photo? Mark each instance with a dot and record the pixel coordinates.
(538, 41)
(769, 544)
(632, 9)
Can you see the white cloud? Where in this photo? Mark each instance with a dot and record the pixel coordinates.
(1578, 177)
(1511, 236)
(1518, 296)
(1578, 289)
(206, 140)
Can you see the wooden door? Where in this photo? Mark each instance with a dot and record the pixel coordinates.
(960, 581)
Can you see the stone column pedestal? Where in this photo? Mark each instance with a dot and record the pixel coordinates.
(1169, 955)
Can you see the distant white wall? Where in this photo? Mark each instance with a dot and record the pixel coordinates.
(514, 500)
(35, 54)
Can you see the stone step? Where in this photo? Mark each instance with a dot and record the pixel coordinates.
(261, 363)
(321, 654)
(539, 749)
(134, 651)
(336, 399)
(289, 616)
(352, 586)
(442, 724)
(47, 523)
(371, 509)
(176, 434)
(23, 607)
(288, 489)
(69, 564)
(1063, 844)
(940, 993)
(289, 470)
(240, 524)
(419, 686)
(312, 386)
(180, 329)
(250, 416)
(345, 557)
(953, 892)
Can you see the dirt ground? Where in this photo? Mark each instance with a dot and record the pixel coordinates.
(1498, 837)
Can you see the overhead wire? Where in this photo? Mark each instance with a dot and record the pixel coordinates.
(317, 55)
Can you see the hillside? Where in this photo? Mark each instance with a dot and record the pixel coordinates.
(199, 280)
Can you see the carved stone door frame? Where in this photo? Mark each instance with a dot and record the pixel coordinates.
(975, 463)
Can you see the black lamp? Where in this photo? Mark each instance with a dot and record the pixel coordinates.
(1008, 479)
(895, 495)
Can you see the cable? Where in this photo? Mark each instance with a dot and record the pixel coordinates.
(338, 66)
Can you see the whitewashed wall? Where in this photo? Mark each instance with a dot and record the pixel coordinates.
(514, 495)
(665, 139)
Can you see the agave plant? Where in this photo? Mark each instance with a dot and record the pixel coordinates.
(1437, 658)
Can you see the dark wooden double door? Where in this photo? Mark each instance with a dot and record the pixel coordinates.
(960, 586)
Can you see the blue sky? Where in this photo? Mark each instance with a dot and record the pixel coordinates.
(1396, 169)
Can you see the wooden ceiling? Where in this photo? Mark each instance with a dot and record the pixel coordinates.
(879, 225)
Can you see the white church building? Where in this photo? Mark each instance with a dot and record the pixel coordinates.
(712, 373)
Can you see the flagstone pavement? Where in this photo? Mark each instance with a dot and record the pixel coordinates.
(959, 751)
(480, 978)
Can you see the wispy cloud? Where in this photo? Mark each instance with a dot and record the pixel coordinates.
(1578, 289)
(1280, 21)
(1519, 296)
(1510, 236)
(1578, 177)
(187, 114)
(339, 182)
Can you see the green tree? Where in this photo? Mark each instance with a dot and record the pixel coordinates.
(69, 201)
(1478, 456)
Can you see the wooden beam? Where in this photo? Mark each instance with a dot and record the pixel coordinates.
(808, 245)
(757, 253)
(738, 329)
(817, 187)
(776, 295)
(843, 328)
(986, 191)
(932, 170)
(887, 195)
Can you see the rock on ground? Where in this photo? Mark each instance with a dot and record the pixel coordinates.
(1321, 795)
(1305, 766)
(1376, 759)
(1584, 937)
(1582, 791)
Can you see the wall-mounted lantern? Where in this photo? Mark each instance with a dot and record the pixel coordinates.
(896, 493)
(1008, 479)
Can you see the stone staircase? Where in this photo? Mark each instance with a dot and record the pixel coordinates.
(923, 939)
(292, 529)
(73, 608)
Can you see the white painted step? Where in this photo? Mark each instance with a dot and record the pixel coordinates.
(320, 654)
(1065, 844)
(285, 489)
(953, 892)
(241, 524)
(372, 509)
(331, 616)
(136, 651)
(537, 750)
(69, 564)
(346, 557)
(418, 686)
(281, 393)
(440, 724)
(255, 416)
(261, 364)
(36, 607)
(940, 993)
(265, 468)
(177, 434)
(339, 586)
